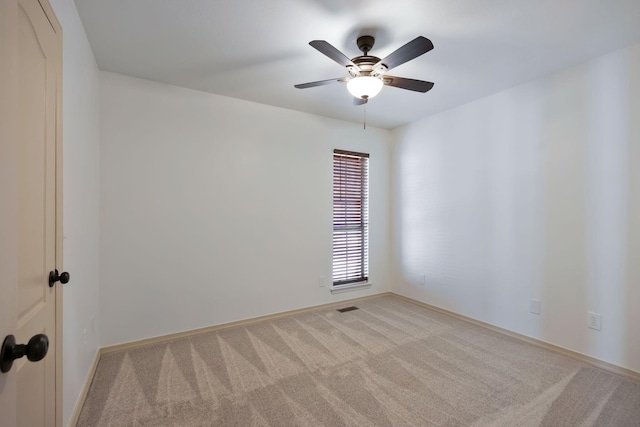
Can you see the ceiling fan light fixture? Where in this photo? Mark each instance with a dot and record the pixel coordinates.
(364, 87)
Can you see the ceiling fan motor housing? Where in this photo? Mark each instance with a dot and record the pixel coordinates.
(365, 63)
(366, 66)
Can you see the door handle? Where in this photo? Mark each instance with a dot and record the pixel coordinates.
(35, 350)
(54, 277)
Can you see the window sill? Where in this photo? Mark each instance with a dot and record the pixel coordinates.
(350, 287)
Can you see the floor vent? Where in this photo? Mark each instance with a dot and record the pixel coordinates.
(344, 310)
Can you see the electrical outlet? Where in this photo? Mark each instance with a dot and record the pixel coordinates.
(321, 282)
(593, 320)
(534, 306)
(84, 339)
(423, 279)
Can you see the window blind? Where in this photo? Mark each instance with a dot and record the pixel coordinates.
(350, 217)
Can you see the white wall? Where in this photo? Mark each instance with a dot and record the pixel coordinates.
(216, 209)
(81, 198)
(531, 193)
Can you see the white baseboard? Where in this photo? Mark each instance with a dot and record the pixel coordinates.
(628, 373)
(169, 337)
(138, 343)
(85, 389)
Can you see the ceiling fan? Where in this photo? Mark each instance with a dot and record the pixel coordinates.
(367, 73)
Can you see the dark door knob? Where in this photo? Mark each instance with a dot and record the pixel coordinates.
(54, 277)
(35, 350)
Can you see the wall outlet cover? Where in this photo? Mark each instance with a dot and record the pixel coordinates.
(594, 320)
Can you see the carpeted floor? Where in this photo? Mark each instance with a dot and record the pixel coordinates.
(390, 363)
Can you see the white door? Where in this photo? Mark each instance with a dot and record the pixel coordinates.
(36, 101)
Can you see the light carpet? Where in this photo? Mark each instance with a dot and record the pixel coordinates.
(390, 363)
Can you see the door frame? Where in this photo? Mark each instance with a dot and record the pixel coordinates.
(9, 195)
(53, 19)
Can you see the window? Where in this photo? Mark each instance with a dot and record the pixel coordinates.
(350, 217)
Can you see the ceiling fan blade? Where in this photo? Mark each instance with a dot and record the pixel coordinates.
(320, 83)
(333, 53)
(360, 101)
(409, 51)
(409, 84)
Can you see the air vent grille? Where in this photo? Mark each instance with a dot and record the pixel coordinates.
(344, 310)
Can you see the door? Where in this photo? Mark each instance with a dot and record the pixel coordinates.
(36, 150)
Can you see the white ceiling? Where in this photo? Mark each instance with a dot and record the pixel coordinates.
(258, 49)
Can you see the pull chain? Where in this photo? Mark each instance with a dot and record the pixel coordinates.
(365, 116)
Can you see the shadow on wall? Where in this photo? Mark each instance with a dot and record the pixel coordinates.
(526, 195)
(607, 202)
(469, 218)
